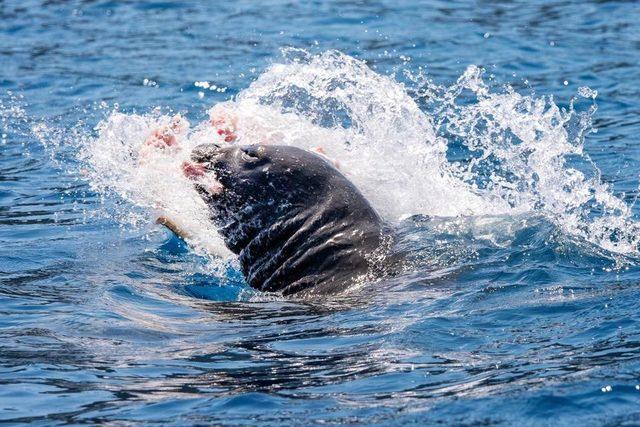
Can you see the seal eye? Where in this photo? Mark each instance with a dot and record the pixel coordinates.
(249, 155)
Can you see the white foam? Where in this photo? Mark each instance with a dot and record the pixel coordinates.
(388, 147)
(384, 143)
(151, 178)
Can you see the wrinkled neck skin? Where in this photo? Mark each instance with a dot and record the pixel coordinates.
(314, 249)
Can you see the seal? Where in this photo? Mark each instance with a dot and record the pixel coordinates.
(297, 224)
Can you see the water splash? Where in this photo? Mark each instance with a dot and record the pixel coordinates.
(151, 179)
(517, 154)
(366, 121)
(529, 152)
(14, 119)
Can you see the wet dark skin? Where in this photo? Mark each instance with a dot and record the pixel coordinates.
(296, 223)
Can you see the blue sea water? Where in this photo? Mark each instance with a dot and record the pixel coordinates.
(523, 315)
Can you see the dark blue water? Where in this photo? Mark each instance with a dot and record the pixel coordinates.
(102, 321)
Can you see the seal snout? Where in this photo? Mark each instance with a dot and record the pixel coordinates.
(200, 170)
(201, 157)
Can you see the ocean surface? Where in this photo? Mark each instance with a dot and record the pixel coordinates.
(499, 140)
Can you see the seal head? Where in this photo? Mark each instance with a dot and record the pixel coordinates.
(296, 223)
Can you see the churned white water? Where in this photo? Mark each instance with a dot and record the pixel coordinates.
(524, 154)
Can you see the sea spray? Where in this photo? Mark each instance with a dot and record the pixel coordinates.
(151, 178)
(523, 154)
(529, 152)
(369, 124)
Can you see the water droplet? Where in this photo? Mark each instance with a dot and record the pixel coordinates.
(587, 92)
